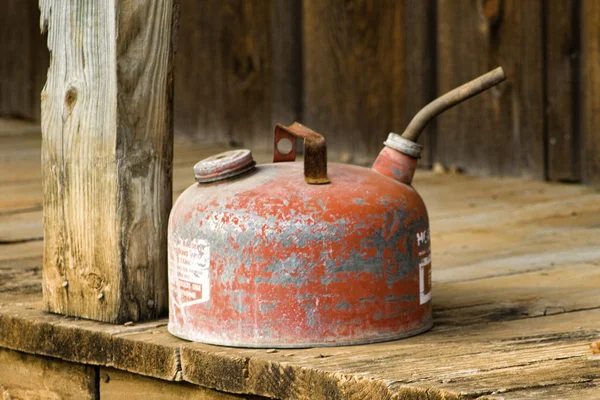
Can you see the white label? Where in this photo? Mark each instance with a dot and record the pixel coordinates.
(189, 264)
(424, 266)
(423, 237)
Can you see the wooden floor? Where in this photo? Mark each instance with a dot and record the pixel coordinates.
(516, 299)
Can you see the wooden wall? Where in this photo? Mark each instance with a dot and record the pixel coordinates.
(355, 70)
(238, 69)
(23, 60)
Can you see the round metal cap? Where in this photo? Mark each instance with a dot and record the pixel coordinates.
(224, 165)
(403, 145)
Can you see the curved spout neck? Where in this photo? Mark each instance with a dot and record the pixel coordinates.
(450, 99)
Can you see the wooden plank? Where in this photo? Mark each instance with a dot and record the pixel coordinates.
(457, 196)
(24, 376)
(115, 385)
(367, 68)
(587, 390)
(24, 61)
(561, 42)
(239, 70)
(20, 152)
(494, 351)
(537, 237)
(21, 252)
(286, 68)
(107, 158)
(590, 91)
(21, 227)
(501, 132)
(14, 129)
(515, 377)
(24, 327)
(500, 346)
(419, 70)
(517, 296)
(507, 320)
(412, 366)
(20, 269)
(16, 65)
(16, 197)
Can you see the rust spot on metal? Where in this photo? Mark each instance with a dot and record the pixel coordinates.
(287, 267)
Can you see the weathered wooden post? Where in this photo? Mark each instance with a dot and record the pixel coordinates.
(107, 157)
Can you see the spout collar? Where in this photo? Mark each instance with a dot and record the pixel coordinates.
(403, 145)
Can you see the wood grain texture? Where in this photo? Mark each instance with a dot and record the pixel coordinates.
(354, 73)
(24, 60)
(561, 47)
(590, 91)
(286, 70)
(116, 385)
(516, 305)
(577, 391)
(419, 86)
(16, 66)
(20, 269)
(24, 376)
(239, 70)
(107, 157)
(501, 132)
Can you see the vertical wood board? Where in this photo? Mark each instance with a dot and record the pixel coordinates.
(353, 73)
(590, 91)
(16, 66)
(239, 70)
(24, 376)
(419, 70)
(561, 46)
(286, 60)
(500, 132)
(24, 60)
(368, 67)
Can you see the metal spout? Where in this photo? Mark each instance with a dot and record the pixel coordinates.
(450, 99)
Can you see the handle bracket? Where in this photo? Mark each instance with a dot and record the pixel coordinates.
(315, 149)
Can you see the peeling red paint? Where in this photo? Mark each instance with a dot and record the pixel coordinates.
(294, 265)
(396, 165)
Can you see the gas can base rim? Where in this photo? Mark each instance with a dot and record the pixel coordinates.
(306, 345)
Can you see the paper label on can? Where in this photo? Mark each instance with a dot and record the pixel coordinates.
(424, 266)
(189, 270)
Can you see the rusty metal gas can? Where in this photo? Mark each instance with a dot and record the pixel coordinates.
(305, 254)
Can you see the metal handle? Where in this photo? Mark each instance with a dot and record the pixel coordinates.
(315, 151)
(450, 99)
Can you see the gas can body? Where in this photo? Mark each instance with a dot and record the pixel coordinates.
(265, 260)
(304, 255)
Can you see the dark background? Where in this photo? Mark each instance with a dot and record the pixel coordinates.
(355, 70)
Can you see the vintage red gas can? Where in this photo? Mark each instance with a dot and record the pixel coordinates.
(305, 254)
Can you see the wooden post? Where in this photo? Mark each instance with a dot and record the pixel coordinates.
(107, 157)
